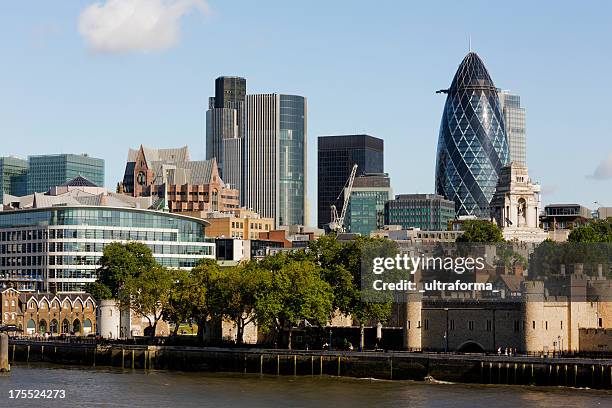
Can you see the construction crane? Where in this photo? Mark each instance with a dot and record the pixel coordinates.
(337, 222)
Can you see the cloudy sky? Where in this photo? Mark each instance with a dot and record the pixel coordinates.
(102, 76)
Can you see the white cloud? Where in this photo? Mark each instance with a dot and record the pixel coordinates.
(135, 25)
(604, 169)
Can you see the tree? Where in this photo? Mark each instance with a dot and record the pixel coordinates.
(179, 308)
(239, 288)
(342, 264)
(149, 293)
(122, 262)
(295, 292)
(595, 231)
(197, 288)
(99, 291)
(480, 231)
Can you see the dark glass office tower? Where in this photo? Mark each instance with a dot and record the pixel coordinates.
(225, 129)
(472, 145)
(229, 90)
(336, 157)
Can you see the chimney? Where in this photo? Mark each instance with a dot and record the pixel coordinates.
(600, 271)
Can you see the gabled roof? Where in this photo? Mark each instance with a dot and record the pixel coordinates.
(177, 155)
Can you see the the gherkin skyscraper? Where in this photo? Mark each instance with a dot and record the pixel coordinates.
(472, 145)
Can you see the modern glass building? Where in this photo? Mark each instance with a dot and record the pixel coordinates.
(472, 144)
(514, 119)
(56, 245)
(292, 160)
(429, 212)
(47, 171)
(366, 208)
(275, 157)
(225, 129)
(336, 157)
(13, 177)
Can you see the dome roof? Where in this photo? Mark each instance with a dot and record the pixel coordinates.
(472, 73)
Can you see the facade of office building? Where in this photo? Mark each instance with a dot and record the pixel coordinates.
(13, 177)
(275, 157)
(47, 171)
(472, 144)
(514, 119)
(366, 208)
(429, 212)
(55, 242)
(335, 159)
(225, 129)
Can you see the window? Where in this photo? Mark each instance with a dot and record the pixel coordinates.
(489, 325)
(426, 324)
(546, 325)
(452, 325)
(600, 322)
(516, 326)
(471, 325)
(533, 324)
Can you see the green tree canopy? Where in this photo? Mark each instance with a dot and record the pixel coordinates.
(122, 262)
(480, 231)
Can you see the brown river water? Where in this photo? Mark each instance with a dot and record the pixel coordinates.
(105, 387)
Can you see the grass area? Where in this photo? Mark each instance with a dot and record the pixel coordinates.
(187, 329)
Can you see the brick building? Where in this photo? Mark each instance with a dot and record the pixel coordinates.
(180, 184)
(40, 313)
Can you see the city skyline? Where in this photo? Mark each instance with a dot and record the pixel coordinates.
(68, 96)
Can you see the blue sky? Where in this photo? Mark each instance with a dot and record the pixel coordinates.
(71, 81)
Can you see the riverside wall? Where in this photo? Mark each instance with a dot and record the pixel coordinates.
(467, 368)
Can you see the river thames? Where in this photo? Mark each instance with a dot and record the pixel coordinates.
(105, 387)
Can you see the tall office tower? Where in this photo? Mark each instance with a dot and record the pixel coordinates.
(472, 145)
(336, 157)
(514, 119)
(225, 129)
(47, 171)
(13, 177)
(275, 157)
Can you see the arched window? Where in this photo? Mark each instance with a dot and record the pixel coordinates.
(76, 326)
(65, 326)
(42, 326)
(31, 328)
(53, 327)
(12, 303)
(66, 304)
(87, 326)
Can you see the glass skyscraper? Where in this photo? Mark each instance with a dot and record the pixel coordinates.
(472, 144)
(292, 156)
(275, 157)
(514, 119)
(225, 129)
(47, 171)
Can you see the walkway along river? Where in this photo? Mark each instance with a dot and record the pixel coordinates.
(467, 368)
